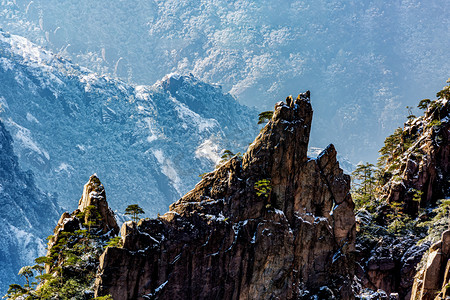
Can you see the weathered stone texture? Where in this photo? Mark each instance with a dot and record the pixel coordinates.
(425, 166)
(431, 282)
(93, 198)
(423, 173)
(223, 241)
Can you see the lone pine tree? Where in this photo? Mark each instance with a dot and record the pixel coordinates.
(134, 211)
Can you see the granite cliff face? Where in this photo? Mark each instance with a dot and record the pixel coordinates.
(433, 176)
(424, 166)
(416, 186)
(432, 280)
(274, 224)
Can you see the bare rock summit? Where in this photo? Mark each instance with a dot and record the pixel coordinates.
(274, 224)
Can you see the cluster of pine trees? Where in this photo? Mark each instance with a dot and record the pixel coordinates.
(368, 180)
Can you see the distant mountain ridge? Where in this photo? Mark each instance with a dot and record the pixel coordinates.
(146, 142)
(363, 61)
(26, 214)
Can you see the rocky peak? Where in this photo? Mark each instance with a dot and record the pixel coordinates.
(92, 218)
(94, 197)
(275, 155)
(273, 224)
(283, 142)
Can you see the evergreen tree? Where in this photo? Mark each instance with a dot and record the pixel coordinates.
(263, 189)
(91, 216)
(391, 149)
(134, 211)
(423, 104)
(445, 92)
(227, 155)
(364, 185)
(410, 116)
(26, 272)
(71, 266)
(265, 116)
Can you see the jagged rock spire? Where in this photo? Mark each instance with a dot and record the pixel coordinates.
(225, 240)
(93, 200)
(92, 214)
(94, 196)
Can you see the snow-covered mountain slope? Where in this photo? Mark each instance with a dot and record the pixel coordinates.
(26, 215)
(146, 143)
(363, 61)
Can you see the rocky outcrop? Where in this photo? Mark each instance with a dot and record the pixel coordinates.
(93, 211)
(390, 265)
(94, 198)
(433, 279)
(417, 176)
(274, 224)
(425, 165)
(93, 218)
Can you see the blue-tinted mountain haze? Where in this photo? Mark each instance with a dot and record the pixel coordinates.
(364, 61)
(27, 215)
(146, 143)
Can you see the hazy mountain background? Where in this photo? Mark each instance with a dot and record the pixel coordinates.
(61, 123)
(148, 144)
(364, 61)
(148, 132)
(26, 215)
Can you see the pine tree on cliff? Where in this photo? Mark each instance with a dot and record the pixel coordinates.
(364, 183)
(134, 211)
(69, 269)
(265, 116)
(423, 104)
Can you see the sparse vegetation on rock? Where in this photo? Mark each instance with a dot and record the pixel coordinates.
(272, 224)
(265, 116)
(134, 210)
(68, 270)
(241, 249)
(406, 206)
